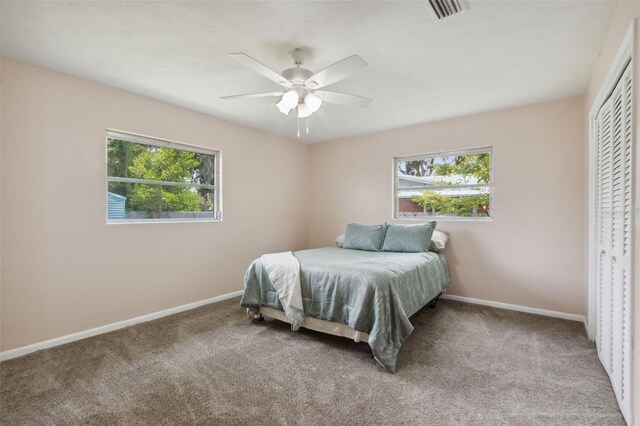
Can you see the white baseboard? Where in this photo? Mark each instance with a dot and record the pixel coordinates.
(14, 353)
(519, 308)
(24, 350)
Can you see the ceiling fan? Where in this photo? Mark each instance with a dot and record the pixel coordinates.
(301, 86)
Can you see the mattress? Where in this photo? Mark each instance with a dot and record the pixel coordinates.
(371, 292)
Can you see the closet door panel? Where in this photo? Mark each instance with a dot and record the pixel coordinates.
(617, 234)
(614, 223)
(605, 238)
(626, 243)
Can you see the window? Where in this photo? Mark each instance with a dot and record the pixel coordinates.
(156, 180)
(449, 185)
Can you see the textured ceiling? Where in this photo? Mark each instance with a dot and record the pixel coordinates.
(497, 55)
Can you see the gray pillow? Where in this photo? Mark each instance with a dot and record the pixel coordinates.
(409, 238)
(364, 237)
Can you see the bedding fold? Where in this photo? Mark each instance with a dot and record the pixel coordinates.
(283, 270)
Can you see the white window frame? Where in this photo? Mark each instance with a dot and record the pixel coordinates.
(457, 152)
(164, 143)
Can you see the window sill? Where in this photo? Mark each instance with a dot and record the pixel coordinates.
(150, 221)
(444, 219)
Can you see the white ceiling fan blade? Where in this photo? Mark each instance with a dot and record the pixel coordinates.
(261, 69)
(253, 95)
(342, 98)
(336, 72)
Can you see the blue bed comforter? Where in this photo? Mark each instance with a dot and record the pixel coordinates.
(374, 292)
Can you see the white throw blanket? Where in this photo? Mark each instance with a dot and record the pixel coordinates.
(284, 272)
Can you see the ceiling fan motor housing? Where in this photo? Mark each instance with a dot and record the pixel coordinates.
(297, 75)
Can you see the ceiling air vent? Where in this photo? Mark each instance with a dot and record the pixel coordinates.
(443, 9)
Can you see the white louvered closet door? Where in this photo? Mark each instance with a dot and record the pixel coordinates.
(614, 228)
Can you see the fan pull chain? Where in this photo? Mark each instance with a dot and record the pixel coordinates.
(307, 125)
(298, 127)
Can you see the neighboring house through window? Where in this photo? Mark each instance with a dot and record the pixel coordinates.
(156, 180)
(450, 185)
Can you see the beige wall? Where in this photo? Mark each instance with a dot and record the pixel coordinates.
(63, 269)
(626, 12)
(532, 253)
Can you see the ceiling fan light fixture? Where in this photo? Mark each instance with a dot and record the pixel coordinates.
(304, 111)
(283, 108)
(288, 102)
(312, 102)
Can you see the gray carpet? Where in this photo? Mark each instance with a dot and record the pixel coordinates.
(463, 364)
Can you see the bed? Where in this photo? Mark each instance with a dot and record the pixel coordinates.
(363, 295)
